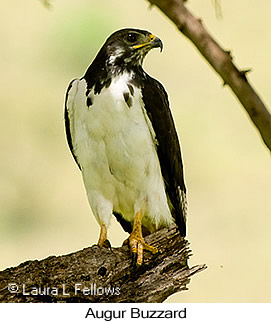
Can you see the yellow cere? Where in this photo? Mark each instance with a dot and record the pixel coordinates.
(151, 38)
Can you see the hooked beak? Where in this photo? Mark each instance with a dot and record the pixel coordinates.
(157, 42)
(153, 42)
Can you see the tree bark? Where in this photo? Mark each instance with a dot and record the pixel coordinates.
(97, 274)
(221, 61)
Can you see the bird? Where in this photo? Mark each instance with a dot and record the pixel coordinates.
(121, 133)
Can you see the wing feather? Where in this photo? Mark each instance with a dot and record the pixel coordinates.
(168, 148)
(67, 117)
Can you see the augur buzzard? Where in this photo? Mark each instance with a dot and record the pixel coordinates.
(122, 136)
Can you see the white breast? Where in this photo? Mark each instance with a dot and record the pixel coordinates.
(114, 144)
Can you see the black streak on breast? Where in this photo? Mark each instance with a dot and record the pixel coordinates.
(89, 102)
(127, 99)
(131, 89)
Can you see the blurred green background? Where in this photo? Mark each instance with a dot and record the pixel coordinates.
(43, 206)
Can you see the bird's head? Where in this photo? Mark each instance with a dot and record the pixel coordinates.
(129, 46)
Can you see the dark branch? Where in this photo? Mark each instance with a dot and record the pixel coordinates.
(221, 61)
(98, 269)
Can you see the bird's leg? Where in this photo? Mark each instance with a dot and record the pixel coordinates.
(103, 235)
(136, 240)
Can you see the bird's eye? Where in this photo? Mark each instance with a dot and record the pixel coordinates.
(131, 38)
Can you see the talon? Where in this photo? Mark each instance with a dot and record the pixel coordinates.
(125, 242)
(134, 259)
(107, 244)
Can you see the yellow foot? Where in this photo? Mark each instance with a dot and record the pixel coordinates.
(137, 245)
(103, 242)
